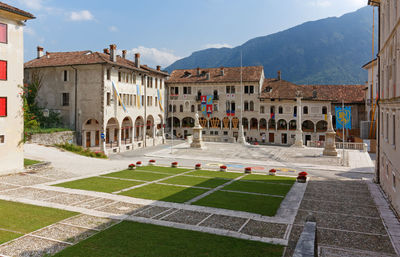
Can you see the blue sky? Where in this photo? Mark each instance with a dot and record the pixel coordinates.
(165, 30)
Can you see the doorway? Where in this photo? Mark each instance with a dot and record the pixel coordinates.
(308, 138)
(97, 139)
(271, 137)
(284, 138)
(88, 139)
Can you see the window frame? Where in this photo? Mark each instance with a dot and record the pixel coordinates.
(6, 62)
(6, 42)
(62, 99)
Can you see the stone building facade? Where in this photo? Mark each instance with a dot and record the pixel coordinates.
(388, 152)
(11, 82)
(267, 107)
(114, 104)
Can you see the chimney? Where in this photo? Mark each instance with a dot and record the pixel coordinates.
(113, 53)
(158, 67)
(106, 51)
(137, 60)
(39, 52)
(124, 54)
(198, 71)
(222, 71)
(279, 75)
(47, 54)
(207, 76)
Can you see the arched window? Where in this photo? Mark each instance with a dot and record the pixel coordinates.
(246, 105)
(198, 95)
(282, 124)
(262, 109)
(292, 125)
(181, 108)
(272, 109)
(280, 109)
(271, 124)
(305, 110)
(174, 109)
(295, 111)
(170, 108)
(233, 107)
(324, 110)
(215, 94)
(253, 123)
(245, 123)
(263, 124)
(228, 106)
(251, 106)
(192, 108)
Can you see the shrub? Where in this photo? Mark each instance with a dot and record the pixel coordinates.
(82, 151)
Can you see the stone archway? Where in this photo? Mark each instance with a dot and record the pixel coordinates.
(322, 126)
(91, 133)
(139, 128)
(112, 133)
(126, 130)
(150, 126)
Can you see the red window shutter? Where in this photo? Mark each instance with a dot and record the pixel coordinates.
(3, 33)
(3, 70)
(3, 106)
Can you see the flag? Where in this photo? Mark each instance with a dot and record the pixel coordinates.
(159, 100)
(203, 99)
(343, 117)
(272, 115)
(138, 96)
(117, 95)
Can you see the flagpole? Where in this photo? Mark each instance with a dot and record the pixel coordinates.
(343, 124)
(242, 90)
(172, 123)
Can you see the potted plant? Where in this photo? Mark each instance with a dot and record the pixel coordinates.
(174, 164)
(197, 166)
(138, 164)
(272, 172)
(302, 177)
(247, 170)
(152, 162)
(223, 168)
(132, 166)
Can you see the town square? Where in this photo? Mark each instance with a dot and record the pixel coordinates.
(109, 150)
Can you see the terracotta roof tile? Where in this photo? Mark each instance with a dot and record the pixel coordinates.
(15, 10)
(281, 89)
(53, 59)
(231, 74)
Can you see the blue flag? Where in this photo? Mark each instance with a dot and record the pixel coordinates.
(343, 117)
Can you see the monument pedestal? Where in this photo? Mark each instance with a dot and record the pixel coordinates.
(241, 139)
(299, 139)
(197, 141)
(330, 146)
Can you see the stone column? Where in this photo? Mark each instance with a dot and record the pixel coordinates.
(119, 138)
(299, 133)
(330, 146)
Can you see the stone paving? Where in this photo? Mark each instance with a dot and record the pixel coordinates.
(348, 221)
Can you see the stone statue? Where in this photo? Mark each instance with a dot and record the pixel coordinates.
(196, 120)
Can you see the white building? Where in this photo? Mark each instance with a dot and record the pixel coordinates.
(368, 129)
(267, 106)
(113, 104)
(12, 22)
(388, 152)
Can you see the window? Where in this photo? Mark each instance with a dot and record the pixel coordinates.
(174, 108)
(246, 105)
(192, 108)
(187, 90)
(232, 89)
(394, 181)
(305, 110)
(262, 109)
(272, 109)
(119, 76)
(387, 126)
(215, 107)
(108, 98)
(174, 90)
(155, 101)
(3, 106)
(108, 74)
(199, 107)
(280, 110)
(65, 99)
(181, 108)
(170, 108)
(1, 139)
(3, 70)
(246, 89)
(225, 133)
(251, 89)
(324, 110)
(65, 75)
(295, 111)
(251, 106)
(394, 130)
(228, 89)
(3, 33)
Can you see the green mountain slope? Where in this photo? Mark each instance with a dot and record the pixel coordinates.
(326, 51)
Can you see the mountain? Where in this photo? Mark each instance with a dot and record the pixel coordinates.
(326, 51)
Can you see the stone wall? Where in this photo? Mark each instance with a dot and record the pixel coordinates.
(53, 138)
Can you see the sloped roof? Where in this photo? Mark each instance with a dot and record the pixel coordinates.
(15, 10)
(231, 74)
(54, 59)
(282, 89)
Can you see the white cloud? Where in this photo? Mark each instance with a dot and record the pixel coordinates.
(217, 45)
(153, 56)
(32, 4)
(113, 28)
(83, 15)
(320, 3)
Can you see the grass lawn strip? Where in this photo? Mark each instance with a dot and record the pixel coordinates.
(168, 170)
(137, 174)
(195, 181)
(166, 193)
(167, 184)
(28, 162)
(264, 205)
(269, 179)
(215, 174)
(262, 188)
(17, 219)
(138, 239)
(99, 184)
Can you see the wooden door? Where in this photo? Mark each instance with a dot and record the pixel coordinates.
(97, 138)
(107, 136)
(284, 138)
(116, 135)
(88, 139)
(271, 137)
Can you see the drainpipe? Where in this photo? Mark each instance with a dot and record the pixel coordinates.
(78, 133)
(377, 161)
